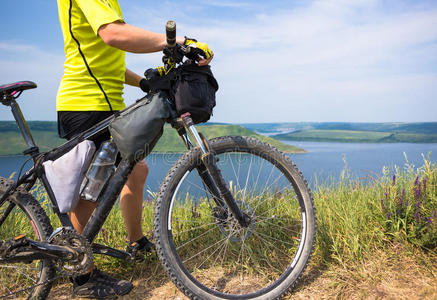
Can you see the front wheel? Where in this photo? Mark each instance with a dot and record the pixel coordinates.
(206, 252)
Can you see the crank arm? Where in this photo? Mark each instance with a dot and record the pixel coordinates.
(22, 249)
(105, 250)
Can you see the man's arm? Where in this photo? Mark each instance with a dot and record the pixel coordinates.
(132, 78)
(137, 40)
(133, 39)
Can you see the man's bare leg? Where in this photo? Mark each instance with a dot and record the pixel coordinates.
(80, 215)
(131, 201)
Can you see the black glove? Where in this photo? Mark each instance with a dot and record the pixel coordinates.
(144, 85)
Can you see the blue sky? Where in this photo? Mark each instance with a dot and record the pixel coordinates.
(276, 61)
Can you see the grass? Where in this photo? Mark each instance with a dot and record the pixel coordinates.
(376, 239)
(361, 252)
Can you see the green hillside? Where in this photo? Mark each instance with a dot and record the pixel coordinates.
(46, 137)
(419, 132)
(355, 136)
(171, 142)
(45, 134)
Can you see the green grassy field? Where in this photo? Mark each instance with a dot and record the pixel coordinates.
(356, 136)
(46, 137)
(374, 241)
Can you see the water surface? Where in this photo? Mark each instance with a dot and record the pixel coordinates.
(323, 160)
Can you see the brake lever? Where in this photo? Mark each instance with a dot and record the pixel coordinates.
(174, 53)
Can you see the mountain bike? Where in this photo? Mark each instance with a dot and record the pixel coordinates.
(233, 219)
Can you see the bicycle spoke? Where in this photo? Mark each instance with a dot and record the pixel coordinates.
(274, 247)
(196, 238)
(199, 266)
(264, 191)
(194, 228)
(272, 238)
(281, 227)
(188, 259)
(236, 174)
(247, 180)
(233, 259)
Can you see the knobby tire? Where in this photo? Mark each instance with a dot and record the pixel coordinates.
(27, 218)
(210, 257)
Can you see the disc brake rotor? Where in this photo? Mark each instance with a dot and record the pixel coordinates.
(233, 230)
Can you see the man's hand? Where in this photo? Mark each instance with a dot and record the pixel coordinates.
(199, 49)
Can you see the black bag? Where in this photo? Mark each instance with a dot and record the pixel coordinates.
(137, 129)
(194, 91)
(190, 87)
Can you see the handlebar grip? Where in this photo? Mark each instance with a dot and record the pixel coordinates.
(170, 32)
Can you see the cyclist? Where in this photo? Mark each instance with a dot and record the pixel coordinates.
(96, 38)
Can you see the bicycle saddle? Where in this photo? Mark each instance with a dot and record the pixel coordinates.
(17, 87)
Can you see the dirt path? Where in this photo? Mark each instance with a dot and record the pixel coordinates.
(385, 276)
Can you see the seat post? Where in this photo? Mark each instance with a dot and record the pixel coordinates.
(24, 129)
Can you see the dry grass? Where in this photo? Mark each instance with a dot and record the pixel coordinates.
(388, 274)
(392, 273)
(371, 244)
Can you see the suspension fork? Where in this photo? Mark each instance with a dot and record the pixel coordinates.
(201, 169)
(212, 176)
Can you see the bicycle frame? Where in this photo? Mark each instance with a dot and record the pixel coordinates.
(107, 199)
(37, 171)
(110, 194)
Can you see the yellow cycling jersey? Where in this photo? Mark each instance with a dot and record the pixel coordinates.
(94, 72)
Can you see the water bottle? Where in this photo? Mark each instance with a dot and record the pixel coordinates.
(100, 170)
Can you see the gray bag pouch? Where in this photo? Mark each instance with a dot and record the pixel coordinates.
(137, 129)
(66, 173)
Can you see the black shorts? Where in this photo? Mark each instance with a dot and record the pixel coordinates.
(72, 123)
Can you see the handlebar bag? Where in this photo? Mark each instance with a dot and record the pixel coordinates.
(194, 91)
(136, 129)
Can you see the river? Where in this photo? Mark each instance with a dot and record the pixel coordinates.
(323, 161)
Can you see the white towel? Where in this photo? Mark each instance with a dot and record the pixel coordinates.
(66, 173)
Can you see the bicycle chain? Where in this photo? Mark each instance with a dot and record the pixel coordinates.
(61, 237)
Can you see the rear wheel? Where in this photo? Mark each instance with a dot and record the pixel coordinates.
(21, 214)
(206, 253)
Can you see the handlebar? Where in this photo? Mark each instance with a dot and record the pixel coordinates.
(170, 32)
(173, 52)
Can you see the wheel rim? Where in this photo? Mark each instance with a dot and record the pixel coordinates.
(223, 258)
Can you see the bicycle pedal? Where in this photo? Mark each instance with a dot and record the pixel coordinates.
(140, 253)
(8, 246)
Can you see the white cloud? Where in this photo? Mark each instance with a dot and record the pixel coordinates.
(322, 60)
(323, 54)
(232, 4)
(28, 62)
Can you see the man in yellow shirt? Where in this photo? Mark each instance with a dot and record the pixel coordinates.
(96, 38)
